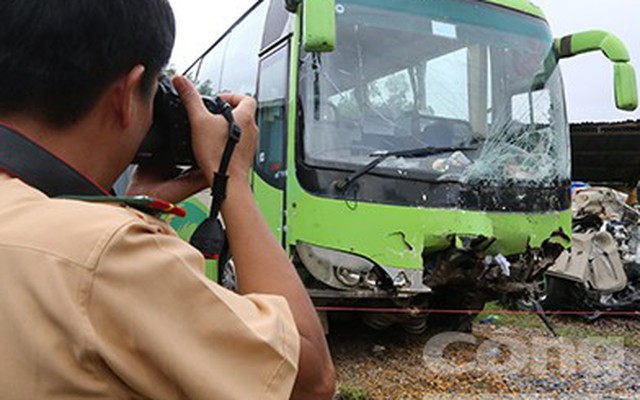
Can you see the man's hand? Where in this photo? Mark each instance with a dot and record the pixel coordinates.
(209, 133)
(160, 181)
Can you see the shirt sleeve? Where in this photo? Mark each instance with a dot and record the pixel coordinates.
(165, 331)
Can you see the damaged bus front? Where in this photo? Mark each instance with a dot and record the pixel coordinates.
(412, 153)
(433, 154)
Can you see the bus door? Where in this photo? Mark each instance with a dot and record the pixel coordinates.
(270, 172)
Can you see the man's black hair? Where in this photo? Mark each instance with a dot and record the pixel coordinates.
(58, 56)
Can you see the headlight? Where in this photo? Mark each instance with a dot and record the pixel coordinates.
(348, 277)
(346, 271)
(335, 268)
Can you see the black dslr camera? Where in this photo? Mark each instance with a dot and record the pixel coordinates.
(169, 138)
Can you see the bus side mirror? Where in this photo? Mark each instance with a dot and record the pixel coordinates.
(318, 24)
(625, 85)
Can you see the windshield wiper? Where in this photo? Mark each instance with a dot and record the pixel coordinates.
(380, 156)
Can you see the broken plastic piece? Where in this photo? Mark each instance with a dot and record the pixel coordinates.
(504, 264)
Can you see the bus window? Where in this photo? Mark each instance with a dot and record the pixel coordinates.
(447, 86)
(272, 121)
(240, 65)
(345, 102)
(208, 80)
(532, 108)
(392, 95)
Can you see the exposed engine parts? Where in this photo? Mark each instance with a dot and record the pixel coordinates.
(467, 264)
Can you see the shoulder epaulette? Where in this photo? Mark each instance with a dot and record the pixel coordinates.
(145, 204)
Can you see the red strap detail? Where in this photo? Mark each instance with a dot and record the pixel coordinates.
(167, 207)
(211, 256)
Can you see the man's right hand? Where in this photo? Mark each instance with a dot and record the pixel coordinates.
(209, 132)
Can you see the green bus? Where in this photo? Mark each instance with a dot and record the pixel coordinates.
(413, 155)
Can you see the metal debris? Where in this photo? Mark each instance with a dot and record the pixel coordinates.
(602, 271)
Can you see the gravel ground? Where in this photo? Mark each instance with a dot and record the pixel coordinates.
(514, 358)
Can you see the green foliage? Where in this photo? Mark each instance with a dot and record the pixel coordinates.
(500, 319)
(347, 104)
(399, 90)
(348, 392)
(171, 71)
(391, 95)
(204, 88)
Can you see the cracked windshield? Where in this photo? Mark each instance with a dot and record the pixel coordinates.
(477, 81)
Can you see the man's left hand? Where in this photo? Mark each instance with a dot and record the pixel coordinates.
(160, 182)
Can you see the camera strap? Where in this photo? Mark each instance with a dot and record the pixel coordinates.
(25, 159)
(220, 178)
(210, 237)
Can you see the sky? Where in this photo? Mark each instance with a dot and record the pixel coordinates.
(588, 78)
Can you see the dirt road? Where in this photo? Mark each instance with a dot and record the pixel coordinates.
(510, 358)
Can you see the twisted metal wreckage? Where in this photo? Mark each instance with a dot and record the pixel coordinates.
(601, 272)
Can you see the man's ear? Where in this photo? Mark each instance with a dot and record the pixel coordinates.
(126, 91)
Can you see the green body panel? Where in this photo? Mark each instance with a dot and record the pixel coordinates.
(319, 25)
(271, 203)
(524, 6)
(396, 236)
(292, 183)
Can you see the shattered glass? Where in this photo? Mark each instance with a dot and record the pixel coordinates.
(530, 146)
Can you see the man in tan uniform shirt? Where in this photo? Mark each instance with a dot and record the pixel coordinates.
(103, 301)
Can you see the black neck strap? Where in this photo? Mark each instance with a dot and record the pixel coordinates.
(37, 167)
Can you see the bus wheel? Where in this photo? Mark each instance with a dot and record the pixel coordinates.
(457, 306)
(229, 275)
(413, 325)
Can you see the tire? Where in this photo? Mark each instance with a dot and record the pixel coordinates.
(565, 295)
(452, 298)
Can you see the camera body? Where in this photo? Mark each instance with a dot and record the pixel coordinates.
(169, 138)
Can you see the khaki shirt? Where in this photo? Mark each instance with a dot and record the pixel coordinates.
(104, 302)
